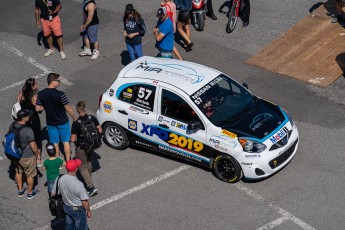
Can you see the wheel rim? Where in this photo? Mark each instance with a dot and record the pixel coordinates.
(226, 169)
(114, 136)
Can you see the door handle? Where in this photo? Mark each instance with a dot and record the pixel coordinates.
(123, 112)
(164, 126)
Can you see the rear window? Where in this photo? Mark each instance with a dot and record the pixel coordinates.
(141, 95)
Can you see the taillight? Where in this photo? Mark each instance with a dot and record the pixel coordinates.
(99, 100)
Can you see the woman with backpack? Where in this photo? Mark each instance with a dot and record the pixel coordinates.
(134, 29)
(27, 99)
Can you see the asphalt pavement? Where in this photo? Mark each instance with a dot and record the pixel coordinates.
(140, 189)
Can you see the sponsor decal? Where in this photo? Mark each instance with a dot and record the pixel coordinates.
(170, 150)
(139, 110)
(188, 74)
(181, 126)
(155, 82)
(196, 96)
(129, 90)
(214, 141)
(247, 164)
(172, 139)
(279, 135)
(127, 95)
(144, 144)
(173, 123)
(107, 106)
(111, 92)
(224, 141)
(143, 97)
(160, 118)
(253, 156)
(259, 120)
(132, 124)
(220, 147)
(148, 68)
(229, 134)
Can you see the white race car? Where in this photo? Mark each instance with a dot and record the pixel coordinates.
(199, 114)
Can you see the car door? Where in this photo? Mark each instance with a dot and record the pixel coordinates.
(136, 108)
(174, 113)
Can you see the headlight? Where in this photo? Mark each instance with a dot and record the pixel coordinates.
(251, 146)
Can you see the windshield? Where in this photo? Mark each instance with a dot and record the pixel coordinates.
(223, 100)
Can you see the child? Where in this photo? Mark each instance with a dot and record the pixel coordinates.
(52, 165)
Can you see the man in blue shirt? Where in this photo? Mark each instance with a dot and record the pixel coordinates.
(164, 34)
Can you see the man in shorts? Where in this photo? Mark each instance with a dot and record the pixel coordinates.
(89, 29)
(56, 104)
(164, 34)
(47, 11)
(27, 163)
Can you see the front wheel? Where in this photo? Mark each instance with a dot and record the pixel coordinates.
(115, 136)
(199, 21)
(227, 169)
(232, 21)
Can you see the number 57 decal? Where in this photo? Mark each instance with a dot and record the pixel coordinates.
(142, 91)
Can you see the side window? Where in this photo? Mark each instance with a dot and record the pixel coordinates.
(175, 107)
(140, 95)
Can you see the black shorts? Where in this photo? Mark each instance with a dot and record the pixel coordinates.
(183, 16)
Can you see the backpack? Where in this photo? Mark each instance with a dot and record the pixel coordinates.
(89, 133)
(169, 12)
(12, 145)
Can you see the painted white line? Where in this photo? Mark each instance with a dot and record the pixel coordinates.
(274, 207)
(139, 187)
(274, 223)
(132, 190)
(32, 62)
(1, 158)
(146, 42)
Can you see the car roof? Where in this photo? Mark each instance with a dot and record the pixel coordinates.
(187, 76)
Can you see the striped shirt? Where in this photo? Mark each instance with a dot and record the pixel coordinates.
(53, 102)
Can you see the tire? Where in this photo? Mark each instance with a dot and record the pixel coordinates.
(227, 169)
(115, 136)
(232, 20)
(199, 22)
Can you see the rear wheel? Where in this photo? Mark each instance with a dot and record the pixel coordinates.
(226, 168)
(115, 136)
(232, 21)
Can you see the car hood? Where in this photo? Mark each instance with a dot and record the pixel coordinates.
(258, 122)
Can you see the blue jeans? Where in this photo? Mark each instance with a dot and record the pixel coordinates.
(134, 49)
(75, 219)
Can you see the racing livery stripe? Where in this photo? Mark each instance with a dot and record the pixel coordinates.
(177, 150)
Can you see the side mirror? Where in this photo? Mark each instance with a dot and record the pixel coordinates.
(245, 85)
(193, 126)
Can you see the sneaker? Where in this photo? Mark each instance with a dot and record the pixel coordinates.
(62, 55)
(189, 46)
(245, 24)
(49, 52)
(86, 52)
(33, 194)
(95, 55)
(92, 191)
(21, 193)
(334, 18)
(39, 163)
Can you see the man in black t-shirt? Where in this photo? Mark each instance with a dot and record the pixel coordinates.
(46, 14)
(56, 104)
(81, 153)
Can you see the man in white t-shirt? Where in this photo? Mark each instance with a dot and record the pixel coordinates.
(74, 196)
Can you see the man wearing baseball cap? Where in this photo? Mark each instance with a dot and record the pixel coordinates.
(74, 196)
(27, 163)
(164, 34)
